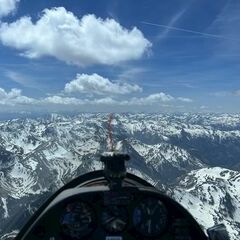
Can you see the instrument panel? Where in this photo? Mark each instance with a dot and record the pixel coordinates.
(125, 214)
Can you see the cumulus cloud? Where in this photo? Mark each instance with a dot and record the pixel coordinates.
(7, 7)
(60, 100)
(152, 99)
(14, 97)
(149, 100)
(60, 34)
(97, 84)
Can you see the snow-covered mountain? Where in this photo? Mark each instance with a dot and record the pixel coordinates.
(187, 155)
(212, 196)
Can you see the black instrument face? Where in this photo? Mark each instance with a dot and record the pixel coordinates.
(77, 220)
(150, 217)
(114, 218)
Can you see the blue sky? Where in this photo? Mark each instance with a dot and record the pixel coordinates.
(145, 55)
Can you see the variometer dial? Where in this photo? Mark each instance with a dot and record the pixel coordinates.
(77, 220)
(150, 217)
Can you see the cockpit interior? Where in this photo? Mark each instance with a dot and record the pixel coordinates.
(112, 204)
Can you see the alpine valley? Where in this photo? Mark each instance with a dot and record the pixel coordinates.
(194, 158)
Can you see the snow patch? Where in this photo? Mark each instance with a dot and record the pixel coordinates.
(5, 208)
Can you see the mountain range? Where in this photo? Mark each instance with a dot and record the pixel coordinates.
(194, 158)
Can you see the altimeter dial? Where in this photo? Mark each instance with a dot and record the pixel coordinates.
(150, 217)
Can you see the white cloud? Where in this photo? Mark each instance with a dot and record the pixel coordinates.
(105, 101)
(183, 99)
(60, 100)
(14, 76)
(225, 25)
(156, 98)
(97, 84)
(132, 73)
(172, 23)
(7, 7)
(20, 78)
(220, 94)
(60, 34)
(203, 107)
(16, 100)
(14, 97)
(153, 99)
(236, 93)
(162, 97)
